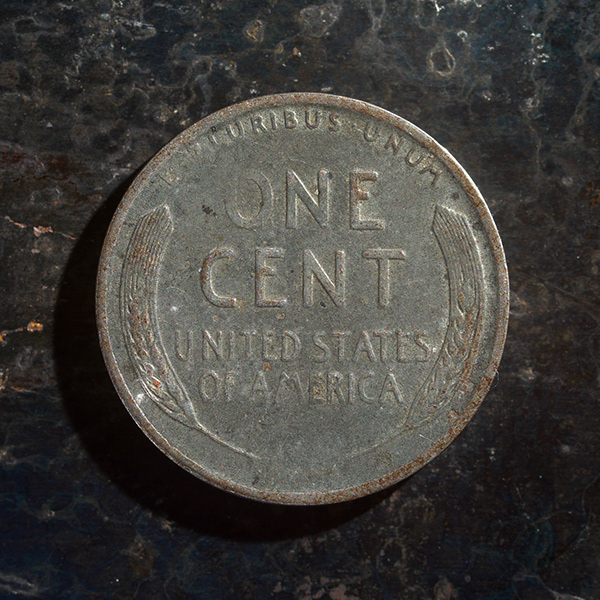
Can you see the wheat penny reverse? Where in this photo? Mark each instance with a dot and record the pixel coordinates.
(302, 299)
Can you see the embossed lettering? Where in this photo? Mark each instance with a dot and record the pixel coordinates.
(318, 207)
(289, 383)
(312, 123)
(340, 337)
(209, 343)
(385, 340)
(229, 383)
(319, 343)
(313, 269)
(260, 387)
(269, 352)
(412, 159)
(371, 132)
(257, 124)
(360, 196)
(435, 171)
(289, 119)
(184, 354)
(352, 388)
(232, 344)
(383, 258)
(394, 142)
(362, 389)
(290, 346)
(248, 335)
(364, 345)
(410, 347)
(239, 131)
(426, 355)
(264, 204)
(265, 271)
(390, 386)
(206, 278)
(209, 386)
(334, 122)
(334, 392)
(318, 388)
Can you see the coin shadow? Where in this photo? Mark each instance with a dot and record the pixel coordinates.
(122, 452)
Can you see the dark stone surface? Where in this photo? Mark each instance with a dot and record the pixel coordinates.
(90, 90)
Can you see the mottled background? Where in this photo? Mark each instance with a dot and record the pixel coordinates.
(90, 90)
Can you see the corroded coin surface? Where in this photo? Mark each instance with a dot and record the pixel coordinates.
(302, 299)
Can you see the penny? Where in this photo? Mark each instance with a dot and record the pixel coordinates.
(302, 299)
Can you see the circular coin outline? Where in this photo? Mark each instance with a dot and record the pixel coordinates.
(204, 126)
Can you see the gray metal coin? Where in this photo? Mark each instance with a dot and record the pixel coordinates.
(302, 299)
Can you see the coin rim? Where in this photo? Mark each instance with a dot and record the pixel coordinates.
(322, 497)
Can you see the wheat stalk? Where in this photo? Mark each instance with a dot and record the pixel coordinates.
(138, 296)
(138, 293)
(454, 364)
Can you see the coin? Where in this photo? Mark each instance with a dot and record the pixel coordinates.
(302, 299)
